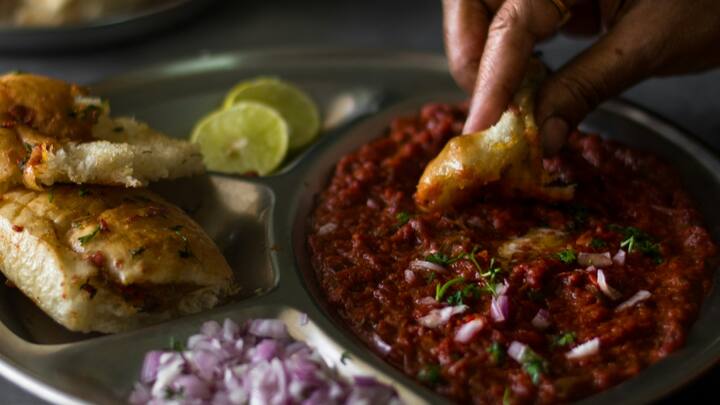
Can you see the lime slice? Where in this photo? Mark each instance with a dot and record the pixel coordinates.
(292, 103)
(248, 137)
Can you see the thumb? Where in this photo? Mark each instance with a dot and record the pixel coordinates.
(610, 66)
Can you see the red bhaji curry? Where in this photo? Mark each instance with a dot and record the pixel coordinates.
(508, 300)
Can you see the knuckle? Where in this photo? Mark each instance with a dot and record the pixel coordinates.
(507, 17)
(580, 89)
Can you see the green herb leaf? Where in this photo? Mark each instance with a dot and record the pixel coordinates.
(441, 290)
(439, 258)
(564, 339)
(567, 256)
(172, 394)
(506, 396)
(87, 238)
(51, 195)
(456, 298)
(402, 218)
(636, 239)
(492, 272)
(496, 352)
(83, 192)
(430, 374)
(533, 365)
(176, 345)
(430, 277)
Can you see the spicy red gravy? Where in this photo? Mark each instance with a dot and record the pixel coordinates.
(511, 300)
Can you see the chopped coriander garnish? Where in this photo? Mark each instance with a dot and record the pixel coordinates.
(87, 238)
(564, 339)
(567, 256)
(51, 195)
(456, 298)
(492, 272)
(430, 277)
(439, 258)
(471, 256)
(430, 374)
(83, 192)
(506, 396)
(402, 218)
(441, 290)
(597, 243)
(533, 364)
(636, 239)
(176, 345)
(344, 357)
(496, 352)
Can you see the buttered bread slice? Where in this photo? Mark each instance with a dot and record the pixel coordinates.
(108, 259)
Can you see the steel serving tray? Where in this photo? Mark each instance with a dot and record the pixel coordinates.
(260, 223)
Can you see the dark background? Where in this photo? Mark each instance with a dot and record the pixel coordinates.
(693, 102)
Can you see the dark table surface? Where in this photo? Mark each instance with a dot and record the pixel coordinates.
(693, 102)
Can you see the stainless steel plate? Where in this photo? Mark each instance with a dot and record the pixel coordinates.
(101, 32)
(261, 223)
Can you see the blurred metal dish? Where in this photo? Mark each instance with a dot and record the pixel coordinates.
(107, 30)
(260, 224)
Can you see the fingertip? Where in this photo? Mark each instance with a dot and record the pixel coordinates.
(482, 115)
(553, 132)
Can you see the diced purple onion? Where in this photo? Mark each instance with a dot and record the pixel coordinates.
(272, 328)
(541, 319)
(426, 301)
(327, 228)
(501, 288)
(605, 288)
(500, 308)
(641, 295)
(380, 344)
(595, 259)
(409, 276)
(426, 265)
(517, 350)
(619, 257)
(440, 316)
(468, 330)
(589, 348)
(256, 363)
(303, 320)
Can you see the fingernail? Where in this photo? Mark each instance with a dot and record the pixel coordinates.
(554, 131)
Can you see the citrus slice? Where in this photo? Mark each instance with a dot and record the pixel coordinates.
(246, 138)
(292, 103)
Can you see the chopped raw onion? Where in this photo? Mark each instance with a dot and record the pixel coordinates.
(327, 228)
(641, 295)
(517, 350)
(468, 330)
(501, 288)
(605, 288)
(594, 259)
(586, 349)
(619, 257)
(426, 265)
(500, 308)
(437, 317)
(380, 344)
(541, 319)
(409, 276)
(303, 319)
(85, 100)
(231, 364)
(271, 328)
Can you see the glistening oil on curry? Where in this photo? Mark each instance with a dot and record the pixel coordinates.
(509, 300)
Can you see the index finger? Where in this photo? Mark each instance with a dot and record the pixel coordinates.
(513, 32)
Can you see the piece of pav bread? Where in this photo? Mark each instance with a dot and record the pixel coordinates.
(53, 132)
(509, 153)
(108, 259)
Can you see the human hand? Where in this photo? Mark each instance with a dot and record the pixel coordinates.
(489, 42)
